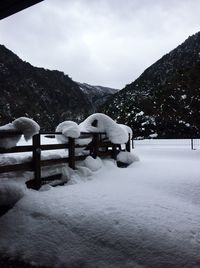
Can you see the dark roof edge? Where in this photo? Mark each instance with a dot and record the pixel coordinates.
(10, 7)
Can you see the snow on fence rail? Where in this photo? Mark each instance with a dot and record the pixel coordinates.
(94, 147)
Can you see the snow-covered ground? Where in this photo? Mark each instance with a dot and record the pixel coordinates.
(146, 215)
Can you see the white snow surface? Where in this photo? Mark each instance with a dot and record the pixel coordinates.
(146, 215)
(68, 129)
(127, 158)
(10, 192)
(115, 133)
(93, 164)
(23, 124)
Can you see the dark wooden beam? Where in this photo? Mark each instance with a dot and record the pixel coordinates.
(10, 7)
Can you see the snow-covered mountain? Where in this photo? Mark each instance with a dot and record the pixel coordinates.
(49, 97)
(97, 95)
(165, 99)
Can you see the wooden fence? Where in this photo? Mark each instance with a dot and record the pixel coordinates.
(99, 146)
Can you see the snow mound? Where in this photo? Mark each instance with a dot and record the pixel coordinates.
(68, 129)
(127, 158)
(80, 175)
(82, 172)
(23, 124)
(10, 193)
(102, 123)
(92, 163)
(27, 126)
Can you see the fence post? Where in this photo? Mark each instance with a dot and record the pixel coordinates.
(128, 144)
(95, 144)
(36, 161)
(133, 143)
(72, 153)
(192, 144)
(114, 151)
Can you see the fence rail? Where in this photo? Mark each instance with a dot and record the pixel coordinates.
(97, 147)
(193, 143)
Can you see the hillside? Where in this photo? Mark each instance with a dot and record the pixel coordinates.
(49, 97)
(97, 95)
(165, 99)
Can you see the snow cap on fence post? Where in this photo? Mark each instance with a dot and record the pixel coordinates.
(22, 125)
(103, 123)
(69, 129)
(27, 126)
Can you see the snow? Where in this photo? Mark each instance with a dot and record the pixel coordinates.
(9, 142)
(127, 158)
(23, 124)
(72, 130)
(140, 113)
(16, 158)
(184, 97)
(128, 129)
(68, 129)
(146, 215)
(27, 126)
(114, 132)
(93, 164)
(153, 135)
(10, 192)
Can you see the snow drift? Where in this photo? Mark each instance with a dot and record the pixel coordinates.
(93, 164)
(127, 158)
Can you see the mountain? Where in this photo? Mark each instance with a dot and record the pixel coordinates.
(97, 95)
(49, 97)
(165, 100)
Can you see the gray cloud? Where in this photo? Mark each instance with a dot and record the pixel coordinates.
(106, 42)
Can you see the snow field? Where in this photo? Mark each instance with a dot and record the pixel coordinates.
(146, 215)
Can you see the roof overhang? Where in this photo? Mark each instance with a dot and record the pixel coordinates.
(10, 7)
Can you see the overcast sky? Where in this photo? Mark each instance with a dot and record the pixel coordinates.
(100, 42)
